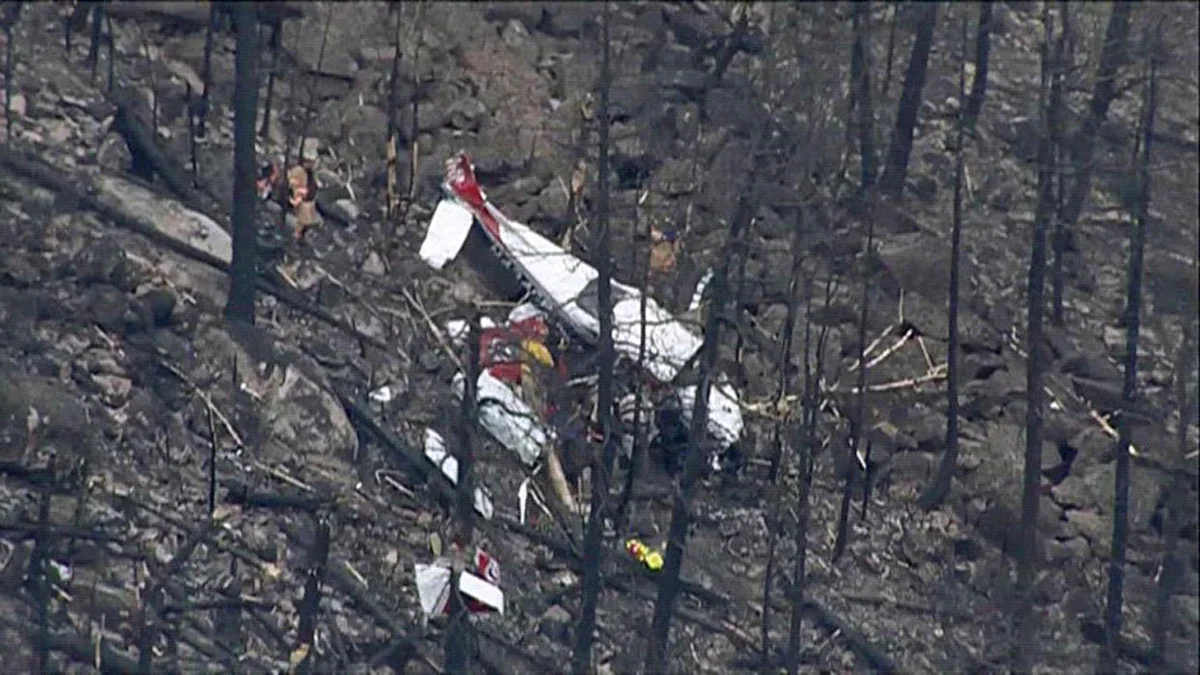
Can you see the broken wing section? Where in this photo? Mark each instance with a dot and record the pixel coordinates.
(448, 230)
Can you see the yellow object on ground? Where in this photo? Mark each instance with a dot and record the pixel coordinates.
(652, 559)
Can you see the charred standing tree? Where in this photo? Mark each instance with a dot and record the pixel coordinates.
(895, 171)
(858, 423)
(1062, 60)
(592, 544)
(275, 41)
(1104, 92)
(668, 588)
(936, 492)
(890, 59)
(8, 21)
(860, 66)
(983, 48)
(1137, 247)
(310, 603)
(1177, 491)
(242, 272)
(780, 433)
(214, 22)
(1023, 647)
(457, 646)
(805, 437)
(94, 42)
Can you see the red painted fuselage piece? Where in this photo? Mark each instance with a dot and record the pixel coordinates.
(460, 177)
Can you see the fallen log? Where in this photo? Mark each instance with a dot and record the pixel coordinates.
(826, 618)
(83, 650)
(67, 185)
(404, 454)
(148, 157)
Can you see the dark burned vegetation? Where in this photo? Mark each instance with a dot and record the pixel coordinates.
(949, 263)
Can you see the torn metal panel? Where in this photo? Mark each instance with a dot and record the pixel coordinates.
(507, 418)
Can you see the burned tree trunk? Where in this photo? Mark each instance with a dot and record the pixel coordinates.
(94, 43)
(1137, 247)
(983, 48)
(895, 172)
(592, 544)
(1023, 645)
(860, 65)
(310, 603)
(891, 51)
(8, 21)
(1062, 57)
(937, 490)
(458, 633)
(1104, 92)
(275, 42)
(774, 509)
(242, 272)
(1176, 498)
(858, 423)
(214, 21)
(805, 436)
(668, 589)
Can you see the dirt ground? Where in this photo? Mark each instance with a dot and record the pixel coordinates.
(120, 382)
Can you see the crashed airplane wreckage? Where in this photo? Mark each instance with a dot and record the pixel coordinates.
(564, 293)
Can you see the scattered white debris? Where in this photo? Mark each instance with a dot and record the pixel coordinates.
(383, 394)
(435, 451)
(480, 586)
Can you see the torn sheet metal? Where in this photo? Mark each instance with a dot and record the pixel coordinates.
(506, 417)
(436, 452)
(480, 586)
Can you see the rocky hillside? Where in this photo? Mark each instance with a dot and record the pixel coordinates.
(125, 398)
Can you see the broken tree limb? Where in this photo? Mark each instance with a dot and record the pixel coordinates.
(55, 180)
